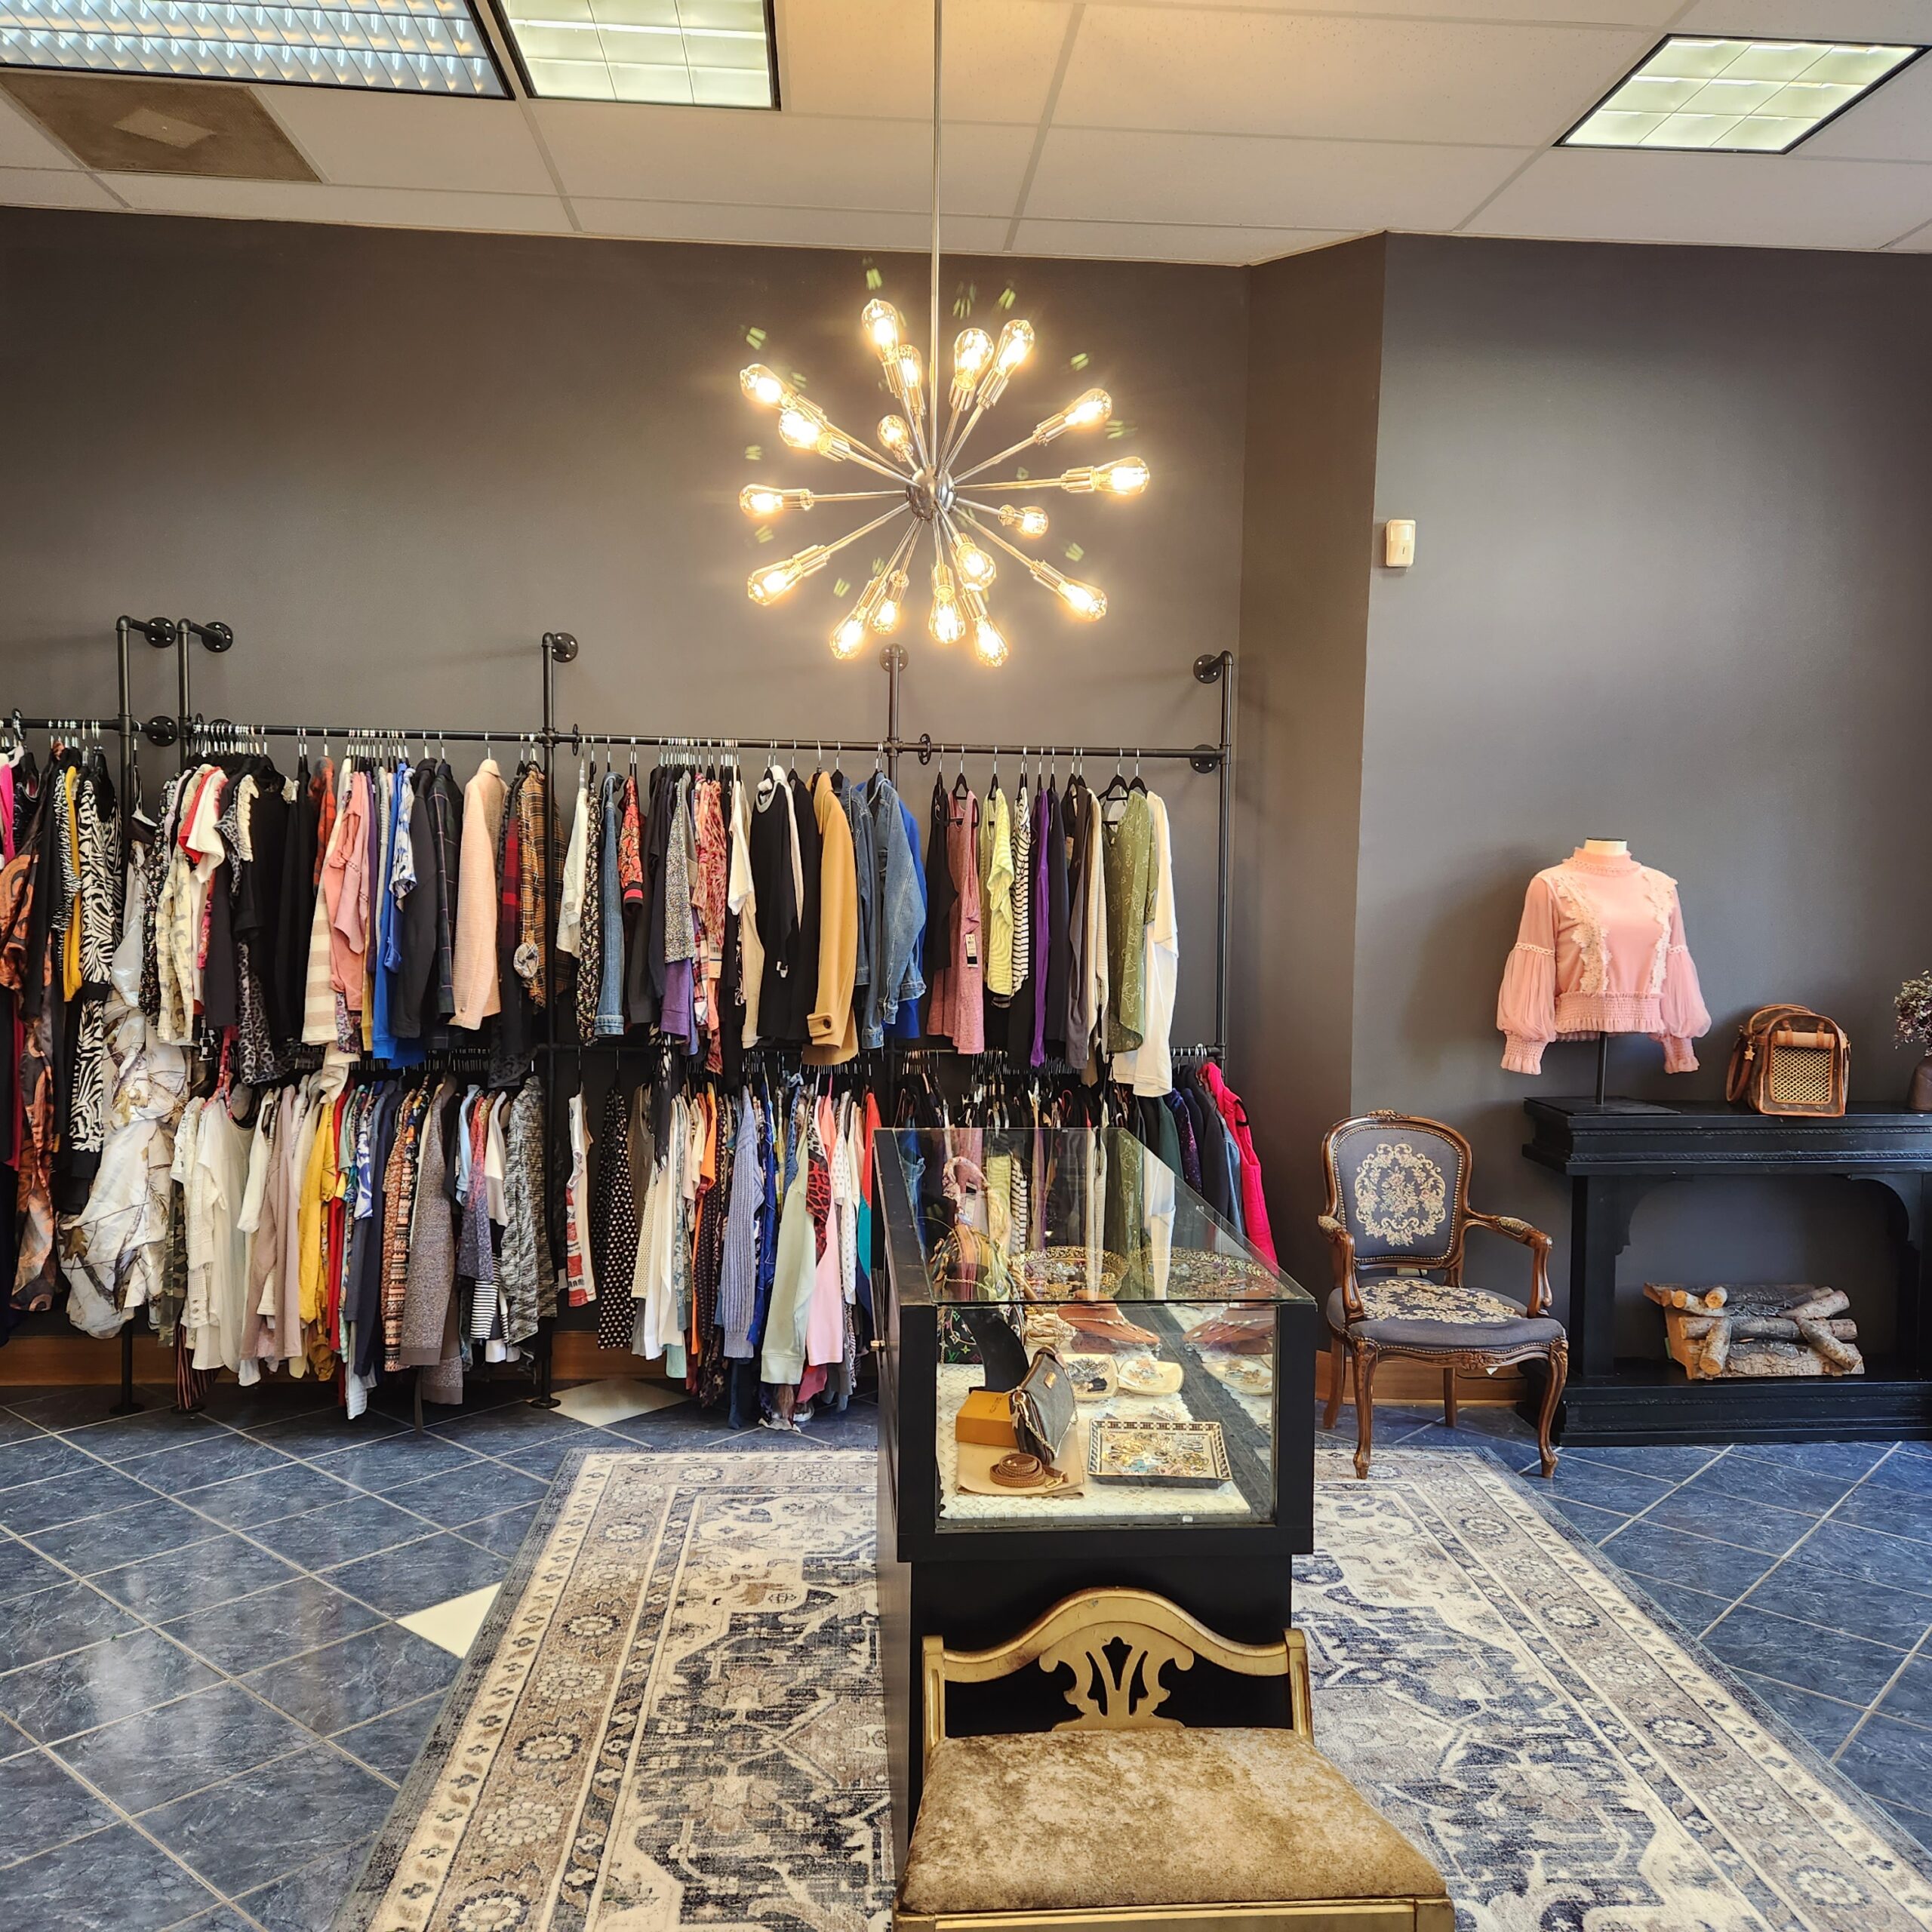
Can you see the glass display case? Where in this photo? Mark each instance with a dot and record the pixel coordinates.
(1085, 1244)
(1087, 1376)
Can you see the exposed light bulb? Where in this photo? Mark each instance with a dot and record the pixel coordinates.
(895, 434)
(1030, 522)
(947, 621)
(1125, 476)
(1016, 344)
(798, 429)
(849, 638)
(884, 327)
(764, 387)
(1085, 601)
(990, 644)
(972, 351)
(975, 567)
(886, 613)
(760, 499)
(911, 375)
(768, 585)
(1082, 413)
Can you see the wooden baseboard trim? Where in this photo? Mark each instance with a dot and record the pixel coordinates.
(65, 1360)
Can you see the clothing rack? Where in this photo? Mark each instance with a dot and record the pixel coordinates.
(192, 733)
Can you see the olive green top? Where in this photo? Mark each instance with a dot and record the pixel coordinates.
(1127, 839)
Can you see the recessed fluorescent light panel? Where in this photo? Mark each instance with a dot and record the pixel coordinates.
(687, 53)
(1736, 97)
(401, 46)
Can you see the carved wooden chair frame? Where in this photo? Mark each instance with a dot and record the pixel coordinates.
(1119, 1643)
(1345, 1348)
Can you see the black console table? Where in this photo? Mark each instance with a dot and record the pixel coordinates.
(1614, 1154)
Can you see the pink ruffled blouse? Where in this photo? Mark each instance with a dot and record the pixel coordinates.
(1601, 950)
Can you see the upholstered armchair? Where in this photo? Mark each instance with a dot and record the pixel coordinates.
(1398, 1212)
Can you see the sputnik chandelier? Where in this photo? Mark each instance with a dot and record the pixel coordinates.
(920, 459)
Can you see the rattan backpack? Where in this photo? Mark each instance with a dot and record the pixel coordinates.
(1789, 1061)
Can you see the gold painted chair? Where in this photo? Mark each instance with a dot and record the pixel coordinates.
(1120, 1817)
(1399, 1211)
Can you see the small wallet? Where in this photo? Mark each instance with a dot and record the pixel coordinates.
(1044, 1408)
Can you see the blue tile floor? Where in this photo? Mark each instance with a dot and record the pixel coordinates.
(1805, 1567)
(208, 1694)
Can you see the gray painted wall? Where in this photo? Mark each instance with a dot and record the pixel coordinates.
(1670, 586)
(391, 460)
(1317, 322)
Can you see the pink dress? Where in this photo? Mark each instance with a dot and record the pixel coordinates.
(1601, 950)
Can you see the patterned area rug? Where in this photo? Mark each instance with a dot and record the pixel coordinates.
(673, 1718)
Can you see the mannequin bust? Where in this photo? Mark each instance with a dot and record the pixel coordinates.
(1607, 848)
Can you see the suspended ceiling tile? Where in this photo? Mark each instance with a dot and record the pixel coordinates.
(52, 188)
(1893, 123)
(1742, 200)
(367, 208)
(1328, 78)
(1919, 242)
(378, 140)
(1907, 23)
(691, 154)
(145, 124)
(24, 143)
(783, 227)
(1168, 242)
(868, 58)
(1087, 174)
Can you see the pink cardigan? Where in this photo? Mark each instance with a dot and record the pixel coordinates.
(1601, 950)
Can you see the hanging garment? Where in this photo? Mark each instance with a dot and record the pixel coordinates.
(777, 885)
(1149, 1068)
(830, 1025)
(958, 1008)
(477, 993)
(1254, 1201)
(614, 1225)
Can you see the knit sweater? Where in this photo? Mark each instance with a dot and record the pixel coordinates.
(1601, 950)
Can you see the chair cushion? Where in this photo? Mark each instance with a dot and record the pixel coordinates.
(1071, 1820)
(1413, 1311)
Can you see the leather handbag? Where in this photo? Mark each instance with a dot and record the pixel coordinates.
(1044, 1408)
(1790, 1062)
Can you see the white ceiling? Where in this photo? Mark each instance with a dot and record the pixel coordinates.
(1169, 129)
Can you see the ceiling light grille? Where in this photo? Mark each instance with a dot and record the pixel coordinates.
(401, 46)
(1730, 96)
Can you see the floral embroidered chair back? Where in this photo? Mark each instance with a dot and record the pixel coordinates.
(1400, 1185)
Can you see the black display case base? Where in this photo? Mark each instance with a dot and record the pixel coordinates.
(1654, 1401)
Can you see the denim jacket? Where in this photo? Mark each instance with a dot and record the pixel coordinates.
(900, 929)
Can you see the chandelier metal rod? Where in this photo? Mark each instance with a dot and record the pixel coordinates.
(932, 338)
(838, 543)
(986, 529)
(1013, 449)
(1013, 483)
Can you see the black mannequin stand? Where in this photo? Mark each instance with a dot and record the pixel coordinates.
(1601, 1104)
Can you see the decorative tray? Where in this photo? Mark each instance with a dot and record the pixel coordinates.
(1188, 1454)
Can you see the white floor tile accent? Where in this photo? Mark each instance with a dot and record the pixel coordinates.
(617, 1399)
(453, 1625)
